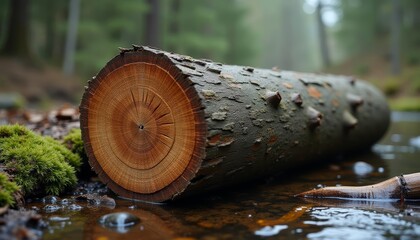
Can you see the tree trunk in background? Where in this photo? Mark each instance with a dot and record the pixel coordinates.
(152, 22)
(395, 37)
(323, 40)
(71, 38)
(50, 26)
(156, 125)
(17, 41)
(174, 25)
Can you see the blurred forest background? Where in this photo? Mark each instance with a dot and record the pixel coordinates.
(49, 48)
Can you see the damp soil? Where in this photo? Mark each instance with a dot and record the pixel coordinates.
(265, 209)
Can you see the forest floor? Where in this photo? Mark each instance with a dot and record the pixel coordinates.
(36, 85)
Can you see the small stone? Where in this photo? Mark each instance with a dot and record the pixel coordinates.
(51, 208)
(74, 207)
(49, 199)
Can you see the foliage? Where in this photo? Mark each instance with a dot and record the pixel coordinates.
(205, 29)
(7, 189)
(209, 29)
(73, 141)
(391, 86)
(39, 164)
(405, 104)
(364, 24)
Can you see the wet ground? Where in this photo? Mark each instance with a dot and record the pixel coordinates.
(266, 209)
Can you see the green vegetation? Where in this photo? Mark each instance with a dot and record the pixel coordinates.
(405, 104)
(74, 142)
(392, 86)
(7, 189)
(375, 40)
(40, 165)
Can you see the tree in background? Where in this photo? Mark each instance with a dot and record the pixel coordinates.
(323, 39)
(410, 38)
(70, 47)
(152, 26)
(284, 35)
(361, 24)
(17, 36)
(376, 24)
(209, 29)
(206, 29)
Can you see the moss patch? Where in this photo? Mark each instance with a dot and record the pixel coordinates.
(7, 190)
(74, 142)
(39, 165)
(405, 104)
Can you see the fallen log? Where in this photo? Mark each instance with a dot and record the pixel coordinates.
(158, 124)
(402, 188)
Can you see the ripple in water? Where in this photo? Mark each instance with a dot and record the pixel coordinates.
(268, 231)
(339, 223)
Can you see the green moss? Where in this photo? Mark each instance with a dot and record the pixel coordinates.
(7, 189)
(391, 86)
(39, 165)
(405, 104)
(74, 142)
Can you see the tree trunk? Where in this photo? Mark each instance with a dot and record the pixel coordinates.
(174, 25)
(157, 124)
(17, 41)
(70, 48)
(153, 24)
(395, 37)
(323, 40)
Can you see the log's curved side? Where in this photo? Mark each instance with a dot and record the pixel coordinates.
(143, 127)
(222, 124)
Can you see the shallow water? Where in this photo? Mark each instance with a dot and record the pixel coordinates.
(267, 209)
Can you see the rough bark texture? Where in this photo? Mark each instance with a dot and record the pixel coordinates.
(247, 123)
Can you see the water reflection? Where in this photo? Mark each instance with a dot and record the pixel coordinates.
(353, 223)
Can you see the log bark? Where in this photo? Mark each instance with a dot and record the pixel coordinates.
(158, 124)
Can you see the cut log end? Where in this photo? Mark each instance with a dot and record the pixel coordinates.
(144, 126)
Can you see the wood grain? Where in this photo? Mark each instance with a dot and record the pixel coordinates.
(141, 127)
